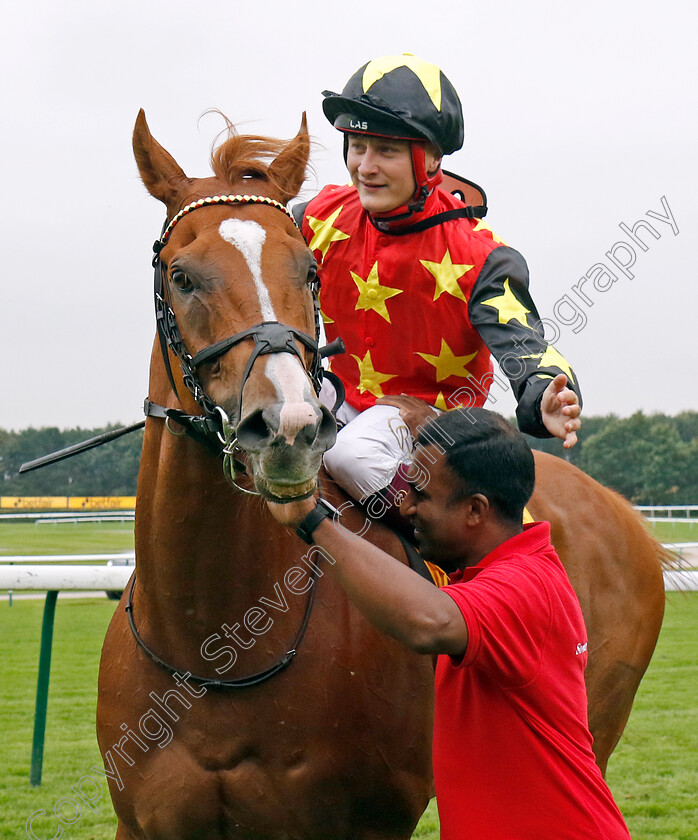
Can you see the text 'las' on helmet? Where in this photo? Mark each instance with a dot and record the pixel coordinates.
(399, 96)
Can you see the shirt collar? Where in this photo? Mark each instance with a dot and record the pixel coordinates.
(534, 537)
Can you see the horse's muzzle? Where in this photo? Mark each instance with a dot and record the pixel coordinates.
(284, 467)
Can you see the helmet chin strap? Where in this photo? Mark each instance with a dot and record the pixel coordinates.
(425, 183)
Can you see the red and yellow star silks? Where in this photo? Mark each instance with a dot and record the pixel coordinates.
(399, 303)
(403, 304)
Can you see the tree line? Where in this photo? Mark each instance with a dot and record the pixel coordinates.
(649, 459)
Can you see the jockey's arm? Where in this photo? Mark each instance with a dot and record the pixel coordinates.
(502, 311)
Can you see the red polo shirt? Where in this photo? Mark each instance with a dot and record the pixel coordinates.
(512, 747)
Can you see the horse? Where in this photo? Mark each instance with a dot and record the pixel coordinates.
(241, 696)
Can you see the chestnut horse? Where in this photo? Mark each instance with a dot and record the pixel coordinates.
(241, 695)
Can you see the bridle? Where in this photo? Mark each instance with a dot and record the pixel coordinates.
(215, 429)
(269, 336)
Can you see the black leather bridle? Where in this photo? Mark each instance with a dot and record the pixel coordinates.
(269, 336)
(213, 428)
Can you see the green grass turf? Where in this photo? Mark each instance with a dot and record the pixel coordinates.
(675, 531)
(652, 773)
(83, 538)
(108, 537)
(71, 745)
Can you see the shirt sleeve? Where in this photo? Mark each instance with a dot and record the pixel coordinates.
(508, 615)
(502, 311)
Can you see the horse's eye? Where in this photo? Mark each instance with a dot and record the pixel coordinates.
(312, 278)
(181, 281)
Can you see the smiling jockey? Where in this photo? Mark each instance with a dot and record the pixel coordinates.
(422, 292)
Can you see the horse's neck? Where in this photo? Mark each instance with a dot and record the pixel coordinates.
(198, 540)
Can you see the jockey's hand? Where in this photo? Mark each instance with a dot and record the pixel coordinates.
(413, 411)
(560, 411)
(292, 514)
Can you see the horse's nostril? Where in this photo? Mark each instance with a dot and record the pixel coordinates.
(326, 430)
(254, 431)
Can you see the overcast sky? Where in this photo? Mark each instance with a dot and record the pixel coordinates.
(579, 117)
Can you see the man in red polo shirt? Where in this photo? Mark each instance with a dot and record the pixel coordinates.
(512, 749)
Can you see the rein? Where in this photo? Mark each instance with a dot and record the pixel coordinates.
(240, 682)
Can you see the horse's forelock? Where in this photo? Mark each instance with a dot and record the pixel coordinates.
(247, 154)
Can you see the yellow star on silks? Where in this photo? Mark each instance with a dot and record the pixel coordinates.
(370, 380)
(447, 364)
(551, 358)
(482, 225)
(447, 275)
(428, 74)
(508, 306)
(326, 318)
(324, 232)
(440, 402)
(372, 295)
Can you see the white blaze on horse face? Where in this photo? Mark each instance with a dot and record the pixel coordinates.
(248, 237)
(284, 371)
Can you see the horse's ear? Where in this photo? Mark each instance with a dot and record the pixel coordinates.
(287, 171)
(160, 172)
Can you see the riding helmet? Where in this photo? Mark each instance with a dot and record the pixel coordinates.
(399, 96)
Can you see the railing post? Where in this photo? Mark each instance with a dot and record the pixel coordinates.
(42, 689)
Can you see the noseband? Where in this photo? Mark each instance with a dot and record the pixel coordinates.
(269, 336)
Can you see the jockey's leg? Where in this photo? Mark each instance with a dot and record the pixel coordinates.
(369, 450)
(366, 457)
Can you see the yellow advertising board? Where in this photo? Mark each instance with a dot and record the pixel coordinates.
(67, 502)
(102, 502)
(34, 502)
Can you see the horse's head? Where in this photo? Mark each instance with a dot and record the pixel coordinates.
(239, 280)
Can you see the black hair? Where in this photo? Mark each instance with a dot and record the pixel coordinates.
(487, 455)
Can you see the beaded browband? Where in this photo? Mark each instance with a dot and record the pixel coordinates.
(224, 199)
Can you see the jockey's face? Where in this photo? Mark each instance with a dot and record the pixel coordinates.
(381, 170)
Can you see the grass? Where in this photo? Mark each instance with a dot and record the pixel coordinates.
(71, 745)
(675, 531)
(82, 538)
(112, 537)
(653, 772)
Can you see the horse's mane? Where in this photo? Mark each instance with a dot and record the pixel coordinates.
(250, 155)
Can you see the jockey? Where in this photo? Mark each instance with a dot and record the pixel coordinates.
(422, 292)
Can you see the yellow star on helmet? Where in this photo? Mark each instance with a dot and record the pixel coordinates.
(369, 378)
(508, 306)
(324, 232)
(447, 275)
(372, 295)
(482, 225)
(551, 358)
(428, 74)
(447, 364)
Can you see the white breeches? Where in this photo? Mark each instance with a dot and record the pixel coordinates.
(369, 449)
